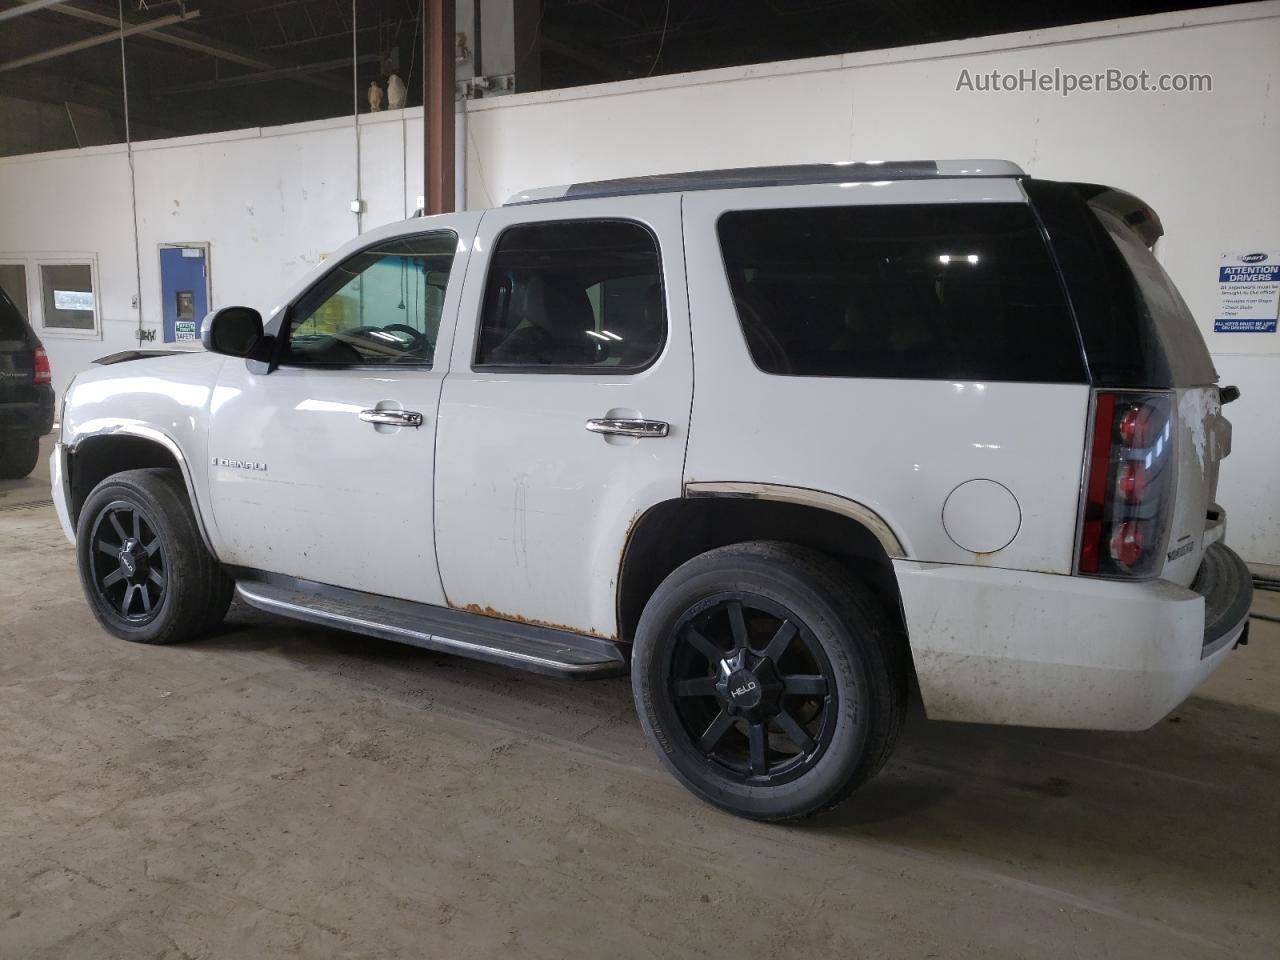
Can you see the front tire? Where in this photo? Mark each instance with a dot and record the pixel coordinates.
(18, 457)
(144, 568)
(769, 681)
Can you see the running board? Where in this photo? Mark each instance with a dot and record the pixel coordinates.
(538, 649)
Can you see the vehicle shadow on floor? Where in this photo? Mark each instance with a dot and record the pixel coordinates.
(1192, 804)
(1186, 814)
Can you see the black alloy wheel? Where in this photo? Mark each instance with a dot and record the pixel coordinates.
(128, 561)
(143, 562)
(754, 691)
(769, 679)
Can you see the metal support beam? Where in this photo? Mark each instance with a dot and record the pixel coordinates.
(30, 6)
(97, 40)
(438, 40)
(200, 44)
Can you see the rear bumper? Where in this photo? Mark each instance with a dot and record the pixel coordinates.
(30, 418)
(1227, 587)
(1038, 649)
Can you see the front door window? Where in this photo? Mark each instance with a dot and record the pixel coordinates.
(379, 306)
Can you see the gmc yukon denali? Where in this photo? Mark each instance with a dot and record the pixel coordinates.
(790, 445)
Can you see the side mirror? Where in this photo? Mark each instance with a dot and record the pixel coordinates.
(236, 332)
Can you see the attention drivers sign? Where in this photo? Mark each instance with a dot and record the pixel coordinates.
(1248, 293)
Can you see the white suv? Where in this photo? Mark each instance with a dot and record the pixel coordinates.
(787, 443)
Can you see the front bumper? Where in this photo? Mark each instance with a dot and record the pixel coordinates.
(1046, 650)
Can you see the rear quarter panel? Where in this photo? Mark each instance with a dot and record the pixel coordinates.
(899, 447)
(1202, 437)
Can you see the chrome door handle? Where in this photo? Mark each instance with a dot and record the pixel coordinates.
(630, 428)
(393, 418)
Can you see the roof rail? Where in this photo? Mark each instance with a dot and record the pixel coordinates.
(847, 171)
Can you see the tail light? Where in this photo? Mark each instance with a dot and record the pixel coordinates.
(42, 372)
(1128, 491)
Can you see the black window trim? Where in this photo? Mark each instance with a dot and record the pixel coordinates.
(1085, 378)
(281, 346)
(1050, 246)
(575, 369)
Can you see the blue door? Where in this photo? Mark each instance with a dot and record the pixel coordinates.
(184, 291)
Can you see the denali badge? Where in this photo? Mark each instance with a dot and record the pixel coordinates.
(239, 464)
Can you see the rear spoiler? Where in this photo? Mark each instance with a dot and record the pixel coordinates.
(1144, 221)
(126, 355)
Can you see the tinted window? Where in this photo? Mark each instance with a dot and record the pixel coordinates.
(952, 291)
(1158, 305)
(1132, 337)
(573, 294)
(381, 305)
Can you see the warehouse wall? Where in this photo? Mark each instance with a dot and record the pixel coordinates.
(272, 202)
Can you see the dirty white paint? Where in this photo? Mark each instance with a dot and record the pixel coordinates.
(987, 645)
(1197, 409)
(740, 411)
(1182, 153)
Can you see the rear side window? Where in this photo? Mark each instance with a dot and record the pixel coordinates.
(946, 292)
(573, 295)
(1159, 306)
(1136, 330)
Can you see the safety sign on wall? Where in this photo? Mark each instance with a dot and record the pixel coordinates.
(1248, 293)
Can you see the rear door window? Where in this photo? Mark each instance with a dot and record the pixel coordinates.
(940, 291)
(573, 295)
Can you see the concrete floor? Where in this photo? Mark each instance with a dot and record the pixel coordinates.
(280, 790)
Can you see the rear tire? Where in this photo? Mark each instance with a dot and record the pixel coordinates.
(144, 568)
(768, 679)
(18, 457)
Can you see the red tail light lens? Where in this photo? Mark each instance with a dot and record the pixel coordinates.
(1128, 493)
(1135, 425)
(1131, 481)
(42, 373)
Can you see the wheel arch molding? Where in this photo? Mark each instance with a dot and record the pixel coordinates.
(95, 454)
(712, 515)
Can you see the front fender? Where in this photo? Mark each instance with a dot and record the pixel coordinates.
(162, 400)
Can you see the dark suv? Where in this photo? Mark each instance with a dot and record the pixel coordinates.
(26, 393)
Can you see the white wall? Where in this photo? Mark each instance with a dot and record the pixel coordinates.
(272, 202)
